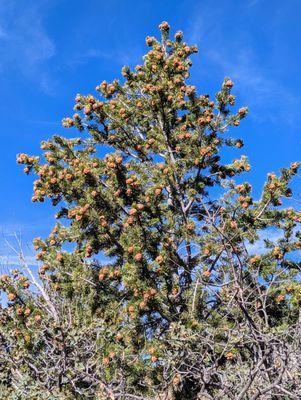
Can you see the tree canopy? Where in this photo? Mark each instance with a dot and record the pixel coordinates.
(149, 286)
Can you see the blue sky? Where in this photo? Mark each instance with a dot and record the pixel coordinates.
(51, 50)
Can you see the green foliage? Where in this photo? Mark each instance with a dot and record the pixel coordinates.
(147, 286)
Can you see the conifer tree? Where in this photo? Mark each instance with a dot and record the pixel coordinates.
(148, 287)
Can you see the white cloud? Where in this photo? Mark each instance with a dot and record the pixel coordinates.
(271, 234)
(114, 56)
(258, 247)
(262, 94)
(25, 45)
(3, 33)
(14, 261)
(253, 3)
(267, 97)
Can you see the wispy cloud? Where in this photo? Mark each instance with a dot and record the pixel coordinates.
(252, 3)
(12, 245)
(118, 57)
(264, 95)
(258, 247)
(14, 239)
(233, 55)
(271, 234)
(24, 43)
(3, 33)
(13, 261)
(84, 57)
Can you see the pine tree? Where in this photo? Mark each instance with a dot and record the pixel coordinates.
(148, 287)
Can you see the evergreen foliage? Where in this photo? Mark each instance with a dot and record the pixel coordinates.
(148, 287)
